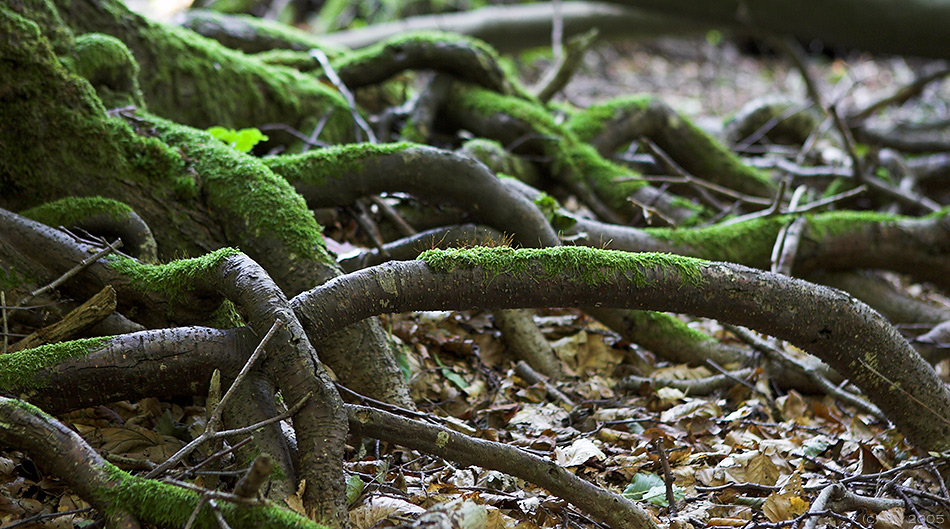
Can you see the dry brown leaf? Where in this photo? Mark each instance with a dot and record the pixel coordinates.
(890, 519)
(295, 501)
(377, 507)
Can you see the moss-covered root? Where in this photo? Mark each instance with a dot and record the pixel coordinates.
(667, 336)
(192, 79)
(122, 498)
(292, 363)
(777, 118)
(613, 510)
(464, 57)
(613, 124)
(100, 216)
(833, 241)
(252, 34)
(260, 212)
(845, 333)
(607, 188)
(339, 175)
(109, 66)
(88, 372)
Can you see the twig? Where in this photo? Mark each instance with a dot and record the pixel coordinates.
(772, 122)
(211, 429)
(774, 209)
(786, 243)
(6, 330)
(559, 74)
(904, 391)
(779, 357)
(73, 271)
(390, 213)
(344, 91)
(818, 204)
(45, 516)
(217, 515)
(900, 95)
(794, 52)
(215, 420)
(668, 477)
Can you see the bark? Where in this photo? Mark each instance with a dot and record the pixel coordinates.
(202, 193)
(518, 27)
(913, 27)
(123, 499)
(842, 331)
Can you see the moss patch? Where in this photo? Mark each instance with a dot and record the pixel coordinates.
(109, 66)
(573, 159)
(166, 505)
(316, 167)
(70, 210)
(581, 263)
(173, 279)
(591, 121)
(750, 242)
(19, 369)
(245, 191)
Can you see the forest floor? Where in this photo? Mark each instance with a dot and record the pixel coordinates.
(749, 456)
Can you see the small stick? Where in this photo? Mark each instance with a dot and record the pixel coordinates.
(214, 422)
(668, 477)
(73, 271)
(344, 91)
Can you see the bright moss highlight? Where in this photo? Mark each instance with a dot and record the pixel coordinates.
(316, 167)
(750, 242)
(247, 192)
(84, 143)
(19, 369)
(666, 326)
(579, 160)
(173, 279)
(109, 66)
(591, 121)
(588, 265)
(70, 210)
(165, 505)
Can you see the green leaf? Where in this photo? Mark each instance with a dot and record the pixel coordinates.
(354, 487)
(652, 489)
(247, 138)
(240, 140)
(453, 377)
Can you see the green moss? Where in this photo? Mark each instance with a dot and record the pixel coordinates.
(165, 505)
(244, 190)
(551, 209)
(226, 316)
(574, 159)
(750, 242)
(591, 121)
(173, 279)
(109, 66)
(10, 277)
(60, 140)
(70, 210)
(839, 222)
(665, 326)
(588, 265)
(19, 369)
(369, 53)
(191, 79)
(316, 167)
